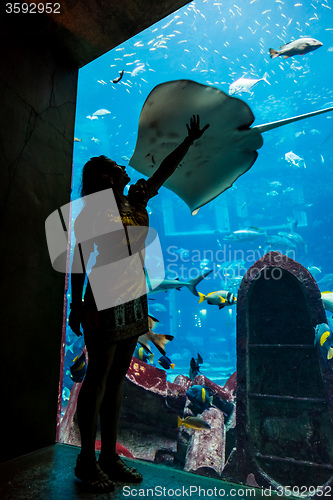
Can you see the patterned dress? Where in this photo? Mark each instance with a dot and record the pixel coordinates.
(125, 318)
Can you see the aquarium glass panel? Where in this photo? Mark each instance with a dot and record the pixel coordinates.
(275, 57)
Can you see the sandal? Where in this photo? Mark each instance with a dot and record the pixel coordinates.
(93, 477)
(117, 470)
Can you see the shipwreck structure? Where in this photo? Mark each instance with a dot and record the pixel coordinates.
(284, 433)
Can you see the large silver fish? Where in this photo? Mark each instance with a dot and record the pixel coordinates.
(221, 298)
(297, 47)
(246, 84)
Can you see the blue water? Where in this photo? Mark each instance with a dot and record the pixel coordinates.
(215, 43)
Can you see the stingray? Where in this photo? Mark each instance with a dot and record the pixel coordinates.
(227, 149)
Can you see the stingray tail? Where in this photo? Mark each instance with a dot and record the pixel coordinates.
(192, 284)
(265, 78)
(274, 53)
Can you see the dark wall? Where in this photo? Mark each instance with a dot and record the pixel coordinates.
(37, 111)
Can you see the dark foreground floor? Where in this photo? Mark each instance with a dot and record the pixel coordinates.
(47, 474)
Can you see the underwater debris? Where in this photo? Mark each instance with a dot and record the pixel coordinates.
(275, 241)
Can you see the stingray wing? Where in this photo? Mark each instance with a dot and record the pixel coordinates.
(225, 151)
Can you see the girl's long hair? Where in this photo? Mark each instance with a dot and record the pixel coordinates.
(92, 175)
